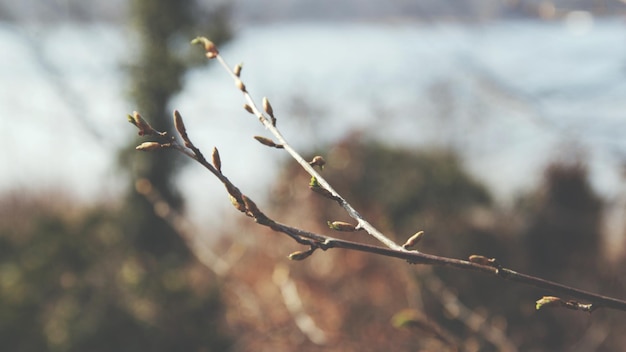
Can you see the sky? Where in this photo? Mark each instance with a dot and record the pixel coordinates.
(510, 96)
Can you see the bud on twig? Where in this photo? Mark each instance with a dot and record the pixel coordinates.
(316, 187)
(268, 142)
(341, 226)
(217, 161)
(144, 127)
(479, 259)
(239, 84)
(318, 161)
(148, 146)
(180, 127)
(237, 70)
(209, 47)
(235, 197)
(269, 110)
(413, 240)
(251, 207)
(237, 204)
(301, 255)
(248, 108)
(551, 301)
(267, 107)
(482, 260)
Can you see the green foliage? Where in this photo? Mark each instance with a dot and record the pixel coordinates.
(72, 281)
(409, 189)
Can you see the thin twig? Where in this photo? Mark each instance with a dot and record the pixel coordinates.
(270, 125)
(315, 241)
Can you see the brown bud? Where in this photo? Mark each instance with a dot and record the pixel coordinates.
(251, 207)
(180, 127)
(217, 162)
(479, 259)
(318, 161)
(268, 107)
(301, 255)
(235, 197)
(148, 146)
(341, 226)
(268, 142)
(237, 70)
(209, 46)
(413, 240)
(144, 127)
(248, 108)
(240, 85)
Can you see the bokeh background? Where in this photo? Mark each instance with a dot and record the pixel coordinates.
(494, 126)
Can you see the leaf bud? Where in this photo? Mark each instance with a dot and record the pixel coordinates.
(413, 240)
(318, 161)
(237, 70)
(301, 255)
(148, 146)
(268, 142)
(209, 46)
(268, 107)
(248, 108)
(341, 226)
(217, 161)
(240, 85)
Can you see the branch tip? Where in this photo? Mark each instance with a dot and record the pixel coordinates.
(217, 161)
(144, 127)
(210, 49)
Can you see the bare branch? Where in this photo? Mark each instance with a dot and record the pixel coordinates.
(243, 203)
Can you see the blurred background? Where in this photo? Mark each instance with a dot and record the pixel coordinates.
(494, 126)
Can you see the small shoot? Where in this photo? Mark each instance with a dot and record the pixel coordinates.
(268, 142)
(413, 240)
(216, 160)
(551, 302)
(150, 146)
(301, 255)
(144, 127)
(210, 49)
(318, 161)
(342, 226)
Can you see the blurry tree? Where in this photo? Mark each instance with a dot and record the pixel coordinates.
(94, 278)
(555, 232)
(70, 281)
(563, 238)
(164, 27)
(401, 191)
